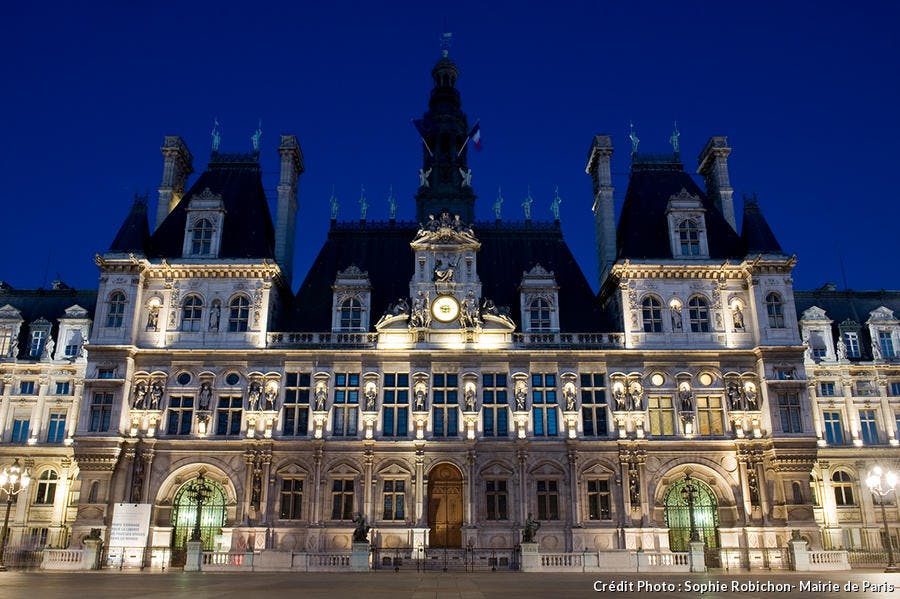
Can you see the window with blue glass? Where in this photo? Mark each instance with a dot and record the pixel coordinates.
(395, 405)
(826, 389)
(101, 411)
(62, 388)
(593, 405)
(544, 404)
(20, 430)
(834, 428)
(868, 427)
(296, 404)
(56, 427)
(495, 404)
(346, 404)
(445, 405)
(26, 388)
(895, 388)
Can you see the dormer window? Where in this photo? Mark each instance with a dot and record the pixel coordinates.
(38, 339)
(539, 314)
(115, 310)
(886, 344)
(351, 315)
(851, 339)
(775, 311)
(201, 238)
(192, 313)
(698, 313)
(689, 238)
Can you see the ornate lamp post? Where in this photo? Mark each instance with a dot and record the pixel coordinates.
(882, 483)
(200, 493)
(688, 492)
(13, 480)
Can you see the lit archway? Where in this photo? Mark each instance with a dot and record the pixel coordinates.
(678, 514)
(184, 514)
(445, 506)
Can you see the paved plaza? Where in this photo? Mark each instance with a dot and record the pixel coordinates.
(102, 585)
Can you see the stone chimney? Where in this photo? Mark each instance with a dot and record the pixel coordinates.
(713, 165)
(286, 217)
(604, 213)
(177, 165)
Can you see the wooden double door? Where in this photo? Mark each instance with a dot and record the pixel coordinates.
(445, 506)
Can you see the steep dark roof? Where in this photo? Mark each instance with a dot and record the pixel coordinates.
(49, 304)
(507, 250)
(755, 231)
(851, 305)
(248, 231)
(643, 230)
(134, 233)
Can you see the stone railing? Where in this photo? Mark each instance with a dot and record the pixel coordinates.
(570, 340)
(62, 559)
(562, 562)
(216, 561)
(323, 562)
(828, 560)
(663, 561)
(520, 340)
(322, 340)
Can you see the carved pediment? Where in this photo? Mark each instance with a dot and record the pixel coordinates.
(814, 313)
(8, 311)
(881, 313)
(292, 470)
(393, 470)
(76, 311)
(684, 196)
(207, 195)
(496, 470)
(445, 230)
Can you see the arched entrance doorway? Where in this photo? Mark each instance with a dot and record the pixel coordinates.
(682, 496)
(184, 514)
(445, 506)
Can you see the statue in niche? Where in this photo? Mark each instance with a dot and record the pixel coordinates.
(686, 398)
(569, 396)
(361, 532)
(634, 489)
(420, 395)
(619, 396)
(469, 397)
(733, 392)
(321, 395)
(737, 316)
(205, 396)
(156, 393)
(521, 394)
(444, 274)
(137, 478)
(841, 349)
(751, 398)
(215, 313)
(253, 396)
(256, 487)
(140, 397)
(676, 319)
(371, 394)
(530, 530)
(269, 396)
(153, 318)
(636, 394)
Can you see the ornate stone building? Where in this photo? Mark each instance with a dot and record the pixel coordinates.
(447, 378)
(43, 335)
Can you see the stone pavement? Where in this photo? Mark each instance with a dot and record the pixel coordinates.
(377, 585)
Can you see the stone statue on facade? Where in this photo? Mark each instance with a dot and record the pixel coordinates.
(423, 177)
(444, 274)
(371, 394)
(470, 316)
(634, 139)
(205, 396)
(139, 397)
(676, 319)
(636, 394)
(841, 349)
(733, 392)
(420, 316)
(216, 136)
(521, 395)
(253, 395)
(156, 393)
(361, 532)
(254, 139)
(498, 204)
(530, 530)
(47, 354)
(269, 396)
(619, 396)
(153, 318)
(737, 316)
(469, 398)
(674, 138)
(215, 313)
(334, 204)
(569, 396)
(466, 174)
(363, 203)
(392, 204)
(420, 395)
(687, 399)
(526, 205)
(876, 351)
(321, 395)
(554, 205)
(751, 398)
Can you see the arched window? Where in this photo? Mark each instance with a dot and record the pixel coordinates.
(798, 493)
(351, 314)
(775, 310)
(843, 488)
(238, 314)
(192, 313)
(539, 315)
(698, 312)
(115, 310)
(651, 309)
(201, 238)
(94, 494)
(689, 238)
(46, 488)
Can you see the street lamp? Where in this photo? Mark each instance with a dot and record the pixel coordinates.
(199, 493)
(881, 483)
(13, 480)
(688, 492)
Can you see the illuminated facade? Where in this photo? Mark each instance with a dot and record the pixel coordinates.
(446, 378)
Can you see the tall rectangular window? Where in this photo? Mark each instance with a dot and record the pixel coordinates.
(495, 404)
(395, 405)
(445, 405)
(834, 428)
(496, 499)
(868, 427)
(6, 338)
(851, 340)
(599, 503)
(56, 427)
(342, 499)
(296, 404)
(63, 388)
(291, 499)
(661, 415)
(826, 389)
(38, 338)
(101, 411)
(394, 500)
(346, 404)
(228, 416)
(593, 405)
(544, 404)
(26, 388)
(789, 409)
(181, 412)
(73, 344)
(709, 415)
(895, 388)
(548, 499)
(886, 344)
(20, 429)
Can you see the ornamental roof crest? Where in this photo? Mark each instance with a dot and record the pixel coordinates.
(9, 311)
(207, 194)
(684, 195)
(814, 313)
(882, 313)
(444, 230)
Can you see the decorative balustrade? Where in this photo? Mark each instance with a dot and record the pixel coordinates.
(570, 340)
(321, 340)
(62, 559)
(520, 340)
(222, 560)
(828, 560)
(562, 562)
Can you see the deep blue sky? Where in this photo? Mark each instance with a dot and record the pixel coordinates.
(807, 94)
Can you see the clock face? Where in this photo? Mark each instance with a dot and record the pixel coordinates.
(445, 308)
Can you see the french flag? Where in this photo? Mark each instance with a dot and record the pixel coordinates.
(475, 135)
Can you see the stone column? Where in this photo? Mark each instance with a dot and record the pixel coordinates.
(470, 474)
(147, 456)
(522, 456)
(317, 486)
(368, 484)
(573, 514)
(420, 486)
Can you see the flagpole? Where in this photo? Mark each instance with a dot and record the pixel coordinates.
(463, 147)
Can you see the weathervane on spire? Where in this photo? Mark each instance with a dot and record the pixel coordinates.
(554, 206)
(446, 39)
(392, 203)
(254, 139)
(527, 204)
(674, 139)
(363, 204)
(216, 136)
(498, 203)
(334, 204)
(634, 139)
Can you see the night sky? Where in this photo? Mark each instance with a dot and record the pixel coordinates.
(807, 94)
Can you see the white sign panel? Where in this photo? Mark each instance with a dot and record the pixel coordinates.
(130, 525)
